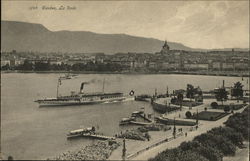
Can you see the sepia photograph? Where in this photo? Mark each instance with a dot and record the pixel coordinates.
(146, 80)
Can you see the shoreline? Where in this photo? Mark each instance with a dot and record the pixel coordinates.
(205, 73)
(145, 153)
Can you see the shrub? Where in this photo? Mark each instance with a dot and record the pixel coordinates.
(178, 155)
(188, 114)
(217, 142)
(235, 137)
(240, 122)
(10, 158)
(226, 109)
(214, 105)
(206, 151)
(212, 145)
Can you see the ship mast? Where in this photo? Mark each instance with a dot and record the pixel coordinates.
(103, 85)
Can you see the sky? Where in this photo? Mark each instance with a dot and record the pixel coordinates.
(196, 24)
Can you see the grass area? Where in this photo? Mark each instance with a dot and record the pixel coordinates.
(213, 145)
(209, 115)
(232, 107)
(188, 102)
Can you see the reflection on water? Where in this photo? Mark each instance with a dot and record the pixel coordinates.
(30, 132)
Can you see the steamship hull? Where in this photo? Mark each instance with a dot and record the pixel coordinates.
(58, 102)
(161, 107)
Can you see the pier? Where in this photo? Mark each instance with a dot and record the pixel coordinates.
(132, 119)
(93, 136)
(142, 116)
(100, 137)
(140, 123)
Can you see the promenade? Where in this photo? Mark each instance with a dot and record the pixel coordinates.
(144, 150)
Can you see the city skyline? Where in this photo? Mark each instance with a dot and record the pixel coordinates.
(208, 25)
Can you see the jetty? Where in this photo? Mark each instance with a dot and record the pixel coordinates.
(93, 136)
(100, 137)
(178, 122)
(132, 119)
(140, 114)
(140, 123)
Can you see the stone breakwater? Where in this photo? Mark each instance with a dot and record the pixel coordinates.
(97, 151)
(141, 133)
(134, 134)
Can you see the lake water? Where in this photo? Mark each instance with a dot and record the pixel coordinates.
(30, 132)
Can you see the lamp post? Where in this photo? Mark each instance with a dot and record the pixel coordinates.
(197, 119)
(174, 130)
(124, 150)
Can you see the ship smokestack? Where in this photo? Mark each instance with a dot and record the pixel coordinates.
(82, 85)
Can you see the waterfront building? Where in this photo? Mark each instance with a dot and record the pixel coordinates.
(55, 62)
(196, 66)
(228, 65)
(75, 61)
(33, 61)
(19, 62)
(216, 65)
(241, 65)
(5, 62)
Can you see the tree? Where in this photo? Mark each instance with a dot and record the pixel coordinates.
(188, 114)
(237, 91)
(5, 67)
(240, 122)
(180, 99)
(226, 109)
(10, 157)
(214, 105)
(26, 65)
(190, 91)
(221, 94)
(231, 134)
(41, 66)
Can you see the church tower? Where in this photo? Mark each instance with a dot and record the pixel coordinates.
(165, 48)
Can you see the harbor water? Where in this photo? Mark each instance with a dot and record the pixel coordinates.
(32, 132)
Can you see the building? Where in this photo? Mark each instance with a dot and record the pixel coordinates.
(216, 65)
(165, 48)
(5, 62)
(55, 62)
(196, 66)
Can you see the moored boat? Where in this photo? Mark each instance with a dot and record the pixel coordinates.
(81, 132)
(83, 98)
(126, 121)
(163, 105)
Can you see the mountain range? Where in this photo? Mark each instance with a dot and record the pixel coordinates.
(23, 36)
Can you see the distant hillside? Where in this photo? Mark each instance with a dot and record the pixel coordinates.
(35, 37)
(23, 36)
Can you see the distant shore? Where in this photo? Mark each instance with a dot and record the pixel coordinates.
(210, 73)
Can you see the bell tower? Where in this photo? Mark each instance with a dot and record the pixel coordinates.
(165, 48)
